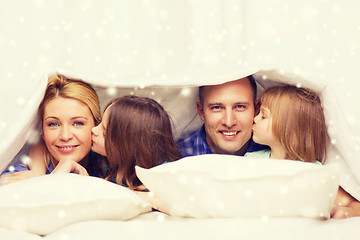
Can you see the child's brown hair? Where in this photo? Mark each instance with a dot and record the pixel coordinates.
(298, 121)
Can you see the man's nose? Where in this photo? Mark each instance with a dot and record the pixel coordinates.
(229, 119)
(66, 133)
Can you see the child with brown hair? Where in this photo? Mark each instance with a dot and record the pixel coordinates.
(291, 122)
(134, 131)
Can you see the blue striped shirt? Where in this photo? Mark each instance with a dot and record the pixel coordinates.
(196, 144)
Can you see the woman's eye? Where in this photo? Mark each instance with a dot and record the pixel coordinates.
(78, 124)
(53, 124)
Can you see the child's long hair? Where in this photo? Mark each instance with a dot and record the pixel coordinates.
(298, 121)
(139, 133)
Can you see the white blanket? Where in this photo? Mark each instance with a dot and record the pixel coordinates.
(177, 92)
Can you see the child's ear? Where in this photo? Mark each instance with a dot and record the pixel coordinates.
(200, 111)
(257, 107)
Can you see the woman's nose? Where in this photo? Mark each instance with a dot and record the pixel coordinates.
(66, 133)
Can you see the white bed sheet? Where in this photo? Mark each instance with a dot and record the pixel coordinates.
(17, 235)
(156, 225)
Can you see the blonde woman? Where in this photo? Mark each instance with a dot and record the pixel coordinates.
(69, 110)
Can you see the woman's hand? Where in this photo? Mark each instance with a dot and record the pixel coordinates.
(18, 176)
(69, 166)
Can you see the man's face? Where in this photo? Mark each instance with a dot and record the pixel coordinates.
(228, 114)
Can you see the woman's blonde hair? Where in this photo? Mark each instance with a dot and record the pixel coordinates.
(139, 133)
(65, 87)
(298, 121)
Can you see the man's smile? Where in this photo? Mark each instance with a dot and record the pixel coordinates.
(227, 133)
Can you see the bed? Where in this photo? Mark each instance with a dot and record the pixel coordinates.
(209, 196)
(159, 226)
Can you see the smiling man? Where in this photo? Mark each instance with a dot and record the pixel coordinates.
(227, 111)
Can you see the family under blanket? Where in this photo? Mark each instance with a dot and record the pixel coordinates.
(287, 122)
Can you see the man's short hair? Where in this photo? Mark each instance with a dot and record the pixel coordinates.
(252, 83)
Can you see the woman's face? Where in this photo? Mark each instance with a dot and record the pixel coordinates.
(66, 129)
(98, 136)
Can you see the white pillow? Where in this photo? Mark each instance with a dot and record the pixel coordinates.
(43, 204)
(232, 186)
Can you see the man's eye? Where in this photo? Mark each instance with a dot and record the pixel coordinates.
(78, 124)
(215, 108)
(240, 107)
